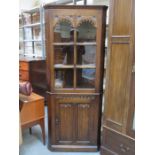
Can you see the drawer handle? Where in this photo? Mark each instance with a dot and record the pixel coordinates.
(20, 75)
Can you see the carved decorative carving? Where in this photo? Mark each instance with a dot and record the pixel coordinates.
(83, 105)
(89, 19)
(75, 21)
(75, 99)
(65, 105)
(68, 19)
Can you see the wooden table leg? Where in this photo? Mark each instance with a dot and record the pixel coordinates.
(42, 125)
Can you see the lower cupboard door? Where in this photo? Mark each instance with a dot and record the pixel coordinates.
(86, 124)
(65, 123)
(76, 123)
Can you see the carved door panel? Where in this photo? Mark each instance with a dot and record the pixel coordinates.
(64, 121)
(76, 121)
(86, 123)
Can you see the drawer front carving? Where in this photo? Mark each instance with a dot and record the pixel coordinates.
(118, 143)
(23, 75)
(23, 66)
(75, 98)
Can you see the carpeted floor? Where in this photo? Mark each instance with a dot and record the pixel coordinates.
(32, 144)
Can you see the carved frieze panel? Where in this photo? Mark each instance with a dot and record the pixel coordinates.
(68, 19)
(89, 19)
(75, 99)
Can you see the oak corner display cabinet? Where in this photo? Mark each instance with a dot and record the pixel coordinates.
(75, 37)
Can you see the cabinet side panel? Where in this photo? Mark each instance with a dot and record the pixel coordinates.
(116, 88)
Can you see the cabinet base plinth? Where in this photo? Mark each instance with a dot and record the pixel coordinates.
(72, 148)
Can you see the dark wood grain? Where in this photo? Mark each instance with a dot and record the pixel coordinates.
(74, 113)
(117, 134)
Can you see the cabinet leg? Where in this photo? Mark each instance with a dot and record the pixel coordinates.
(42, 125)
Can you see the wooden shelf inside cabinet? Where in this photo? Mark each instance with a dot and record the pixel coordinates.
(57, 66)
(86, 66)
(86, 43)
(65, 43)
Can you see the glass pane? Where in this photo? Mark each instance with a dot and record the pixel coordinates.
(64, 78)
(85, 78)
(20, 22)
(35, 17)
(86, 32)
(21, 48)
(28, 48)
(38, 48)
(63, 32)
(36, 33)
(86, 54)
(27, 19)
(63, 55)
(20, 34)
(28, 33)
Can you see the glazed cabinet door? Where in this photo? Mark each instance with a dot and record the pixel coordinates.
(76, 50)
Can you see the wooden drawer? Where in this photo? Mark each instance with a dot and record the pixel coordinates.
(23, 66)
(23, 75)
(117, 143)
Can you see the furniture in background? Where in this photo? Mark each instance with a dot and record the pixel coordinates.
(118, 116)
(34, 71)
(31, 32)
(75, 62)
(32, 112)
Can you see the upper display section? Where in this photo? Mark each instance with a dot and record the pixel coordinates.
(75, 47)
